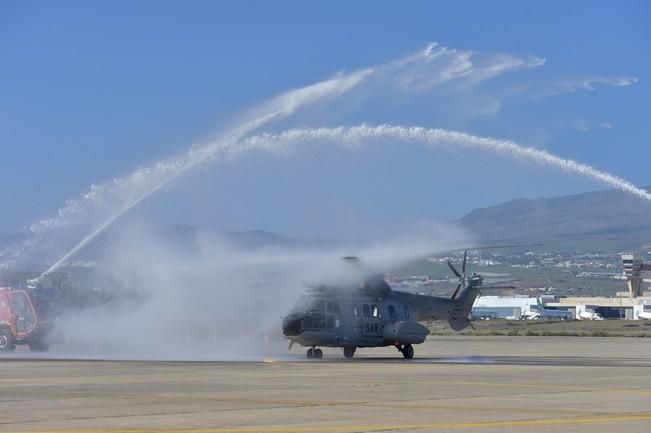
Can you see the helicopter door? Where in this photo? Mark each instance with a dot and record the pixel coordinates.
(371, 326)
(357, 322)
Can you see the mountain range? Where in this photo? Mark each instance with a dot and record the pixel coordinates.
(600, 221)
(607, 221)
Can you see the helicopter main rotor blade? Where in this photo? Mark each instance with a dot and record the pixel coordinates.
(454, 270)
(454, 294)
(465, 259)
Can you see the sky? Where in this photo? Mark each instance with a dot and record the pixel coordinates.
(90, 91)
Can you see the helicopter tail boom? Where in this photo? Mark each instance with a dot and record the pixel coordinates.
(462, 301)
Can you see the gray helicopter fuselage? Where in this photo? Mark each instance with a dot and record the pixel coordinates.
(380, 317)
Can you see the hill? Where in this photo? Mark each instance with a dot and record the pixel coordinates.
(608, 221)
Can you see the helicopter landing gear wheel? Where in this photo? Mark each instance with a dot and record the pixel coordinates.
(313, 353)
(407, 351)
(349, 351)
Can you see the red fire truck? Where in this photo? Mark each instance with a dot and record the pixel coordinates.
(26, 317)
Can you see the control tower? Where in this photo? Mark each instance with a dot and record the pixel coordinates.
(633, 268)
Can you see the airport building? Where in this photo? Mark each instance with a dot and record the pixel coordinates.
(633, 304)
(505, 307)
(620, 306)
(552, 307)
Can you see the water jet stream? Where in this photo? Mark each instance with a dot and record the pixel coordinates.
(357, 135)
(438, 137)
(425, 69)
(434, 66)
(164, 173)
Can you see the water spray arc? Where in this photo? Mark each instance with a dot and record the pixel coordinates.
(165, 172)
(434, 66)
(345, 136)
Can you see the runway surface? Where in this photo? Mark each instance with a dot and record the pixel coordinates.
(469, 384)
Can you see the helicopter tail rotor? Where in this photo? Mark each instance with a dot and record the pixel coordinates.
(461, 275)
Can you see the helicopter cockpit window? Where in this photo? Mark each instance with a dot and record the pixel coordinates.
(301, 303)
(316, 304)
(406, 312)
(367, 310)
(392, 312)
(375, 311)
(355, 311)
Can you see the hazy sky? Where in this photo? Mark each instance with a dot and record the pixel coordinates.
(92, 90)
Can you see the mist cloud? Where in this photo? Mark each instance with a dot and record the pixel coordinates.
(218, 300)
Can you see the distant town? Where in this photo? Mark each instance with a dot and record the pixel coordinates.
(537, 284)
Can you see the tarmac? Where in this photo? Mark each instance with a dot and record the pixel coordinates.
(454, 384)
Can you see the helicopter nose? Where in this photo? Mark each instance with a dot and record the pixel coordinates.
(292, 325)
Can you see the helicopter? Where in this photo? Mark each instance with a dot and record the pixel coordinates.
(372, 314)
